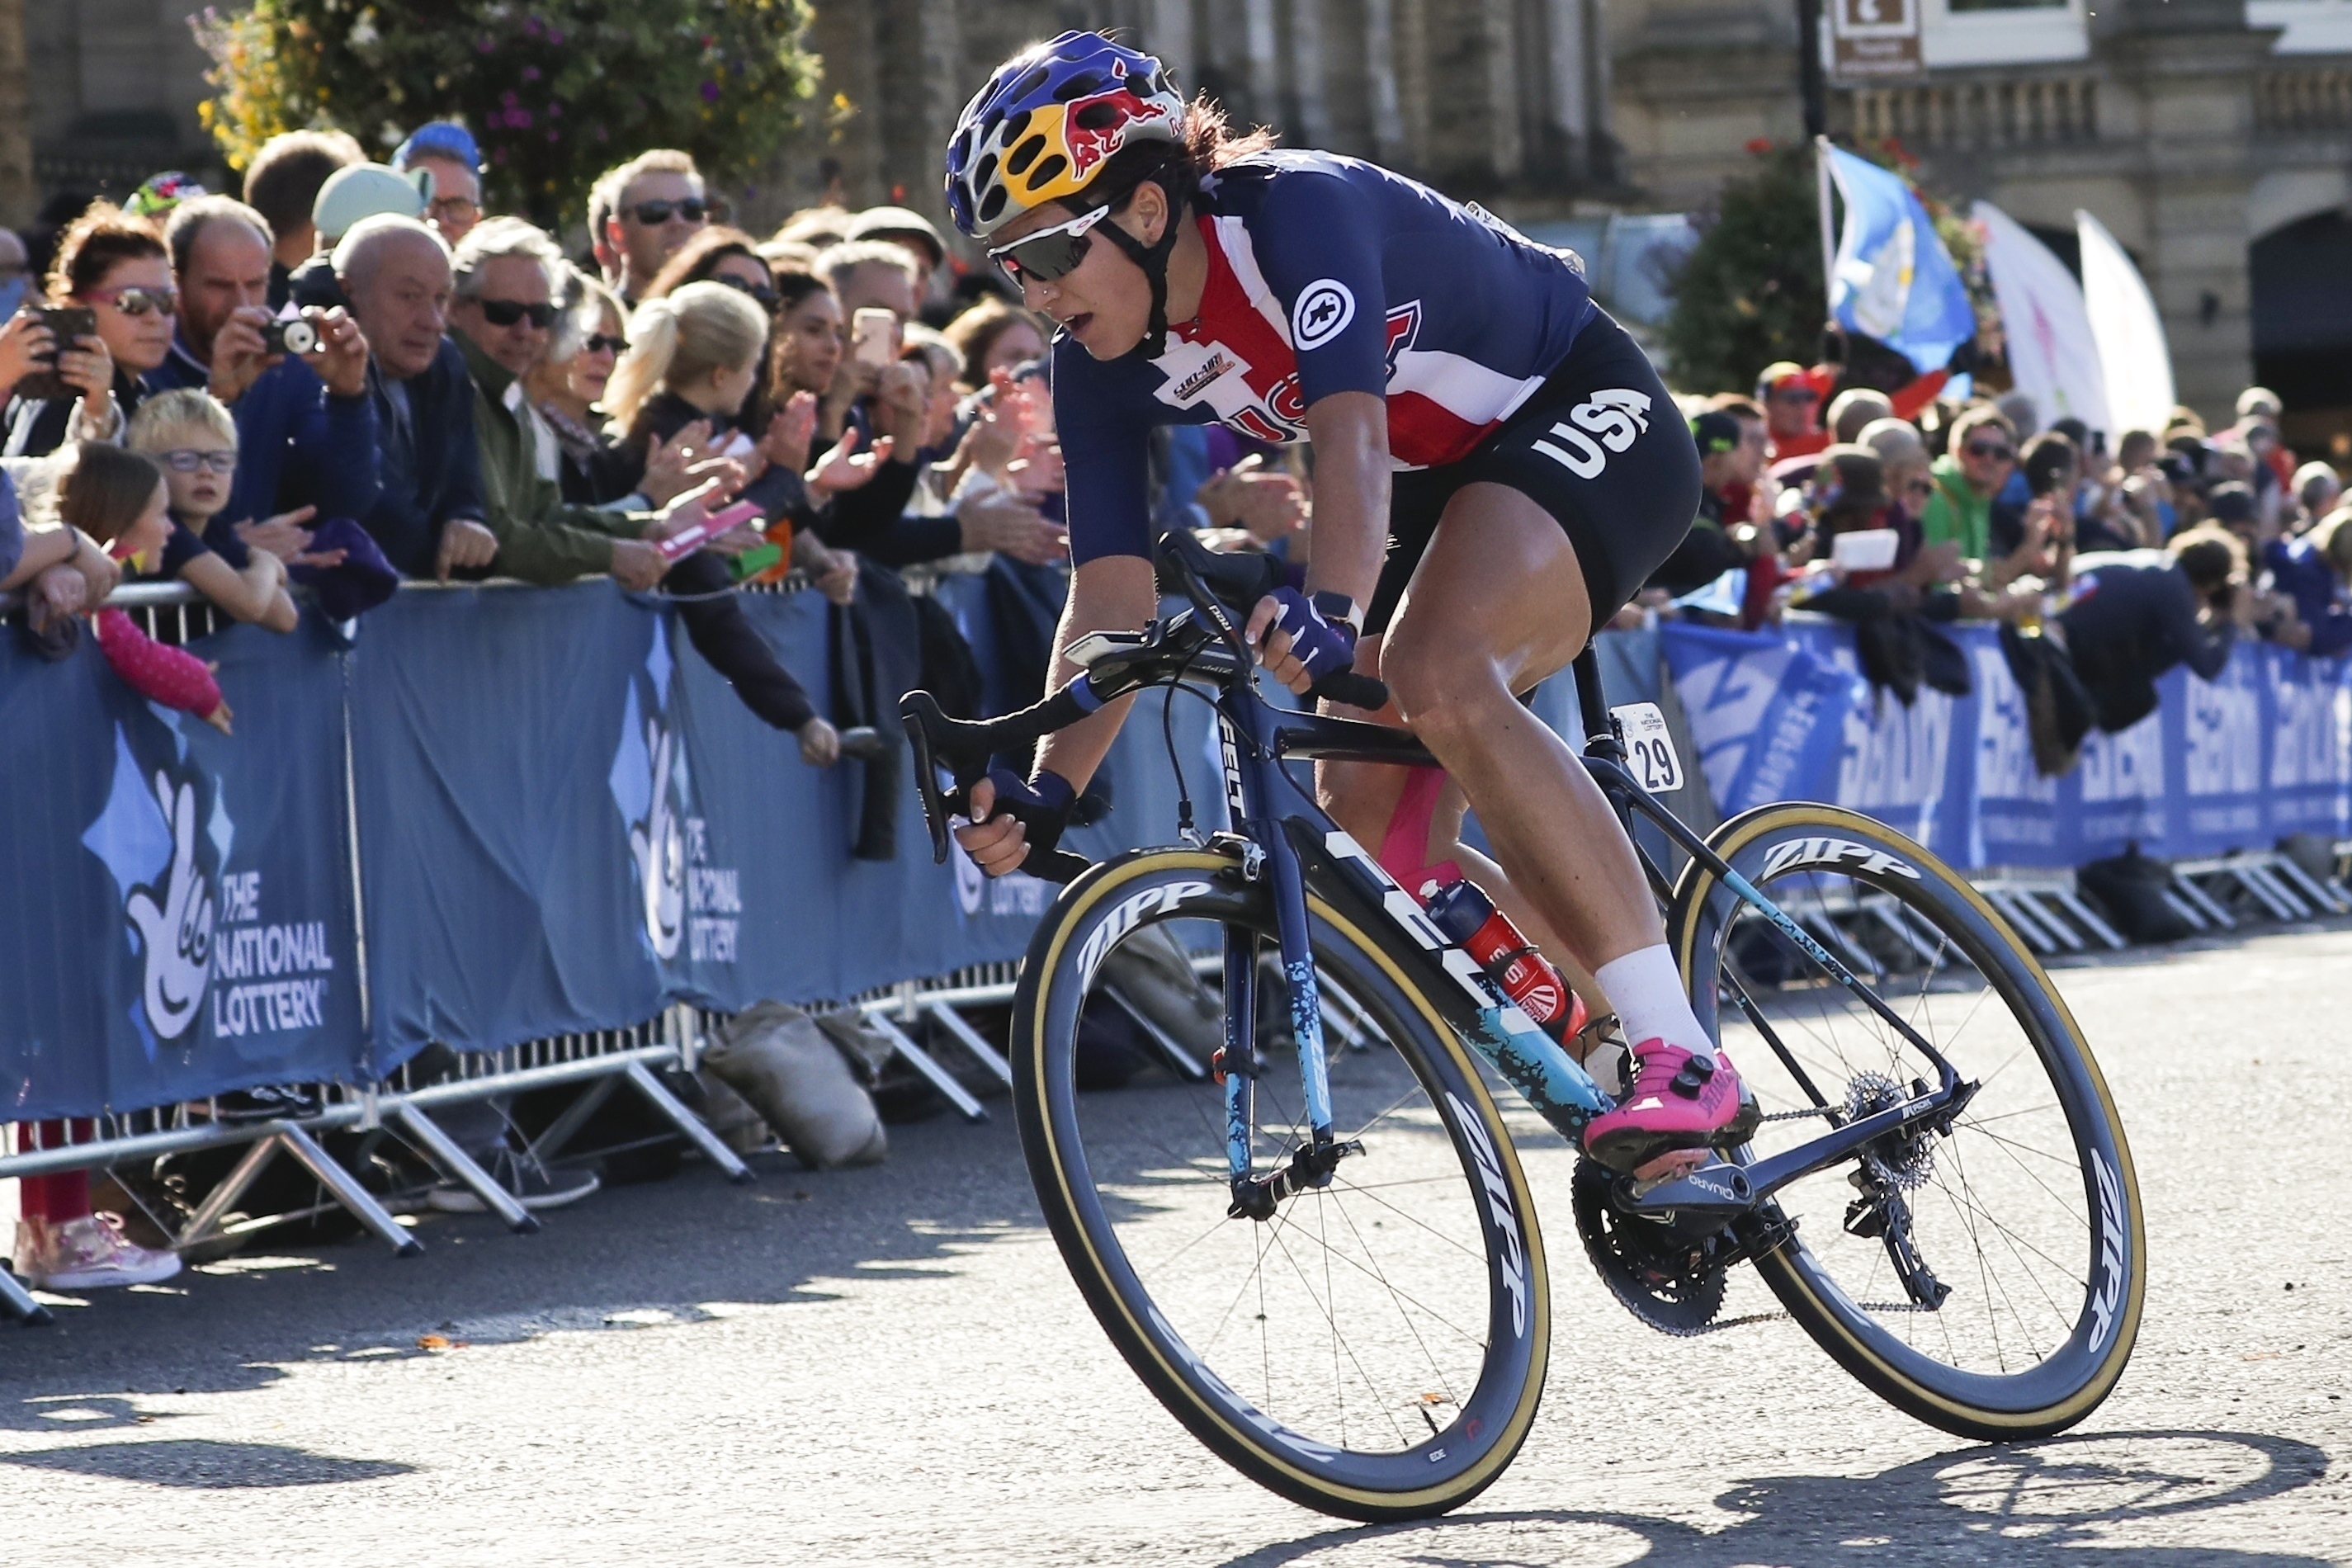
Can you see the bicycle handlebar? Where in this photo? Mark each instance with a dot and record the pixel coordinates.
(1217, 583)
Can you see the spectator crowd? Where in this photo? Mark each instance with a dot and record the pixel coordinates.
(350, 375)
(2106, 563)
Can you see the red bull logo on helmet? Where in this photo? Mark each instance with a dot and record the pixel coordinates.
(1096, 127)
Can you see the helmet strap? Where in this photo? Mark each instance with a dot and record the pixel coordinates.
(1153, 259)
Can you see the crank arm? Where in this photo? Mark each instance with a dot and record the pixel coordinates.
(1727, 1189)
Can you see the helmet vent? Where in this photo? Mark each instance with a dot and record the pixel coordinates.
(1047, 173)
(1025, 155)
(1079, 86)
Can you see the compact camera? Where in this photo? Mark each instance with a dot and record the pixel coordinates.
(291, 336)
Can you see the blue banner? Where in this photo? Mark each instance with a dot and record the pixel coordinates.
(2236, 762)
(181, 922)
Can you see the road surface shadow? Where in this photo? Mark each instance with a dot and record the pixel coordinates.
(207, 1466)
(628, 1257)
(2026, 1505)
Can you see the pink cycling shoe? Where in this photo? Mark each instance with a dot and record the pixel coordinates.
(1678, 1108)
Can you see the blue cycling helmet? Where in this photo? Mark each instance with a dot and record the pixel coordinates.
(1046, 124)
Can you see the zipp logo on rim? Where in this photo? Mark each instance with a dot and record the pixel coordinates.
(1498, 1203)
(1832, 852)
(1125, 917)
(2111, 1252)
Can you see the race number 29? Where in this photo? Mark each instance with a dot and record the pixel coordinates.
(1649, 749)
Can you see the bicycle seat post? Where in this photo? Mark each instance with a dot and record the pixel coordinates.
(1592, 706)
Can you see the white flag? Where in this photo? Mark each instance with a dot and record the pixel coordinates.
(2051, 352)
(2136, 363)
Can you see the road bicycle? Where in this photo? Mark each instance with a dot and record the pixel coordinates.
(1329, 1269)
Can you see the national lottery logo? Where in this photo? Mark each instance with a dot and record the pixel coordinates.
(208, 956)
(691, 905)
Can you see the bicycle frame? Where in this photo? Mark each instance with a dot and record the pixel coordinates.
(1283, 835)
(1291, 842)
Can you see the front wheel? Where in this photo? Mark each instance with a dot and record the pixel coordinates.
(1987, 1278)
(1375, 1349)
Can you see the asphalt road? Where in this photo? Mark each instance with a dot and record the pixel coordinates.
(889, 1366)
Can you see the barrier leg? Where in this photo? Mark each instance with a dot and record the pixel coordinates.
(347, 1191)
(223, 1198)
(1186, 1063)
(2066, 900)
(687, 1122)
(2303, 881)
(458, 1163)
(969, 1038)
(575, 1116)
(17, 1303)
(920, 1060)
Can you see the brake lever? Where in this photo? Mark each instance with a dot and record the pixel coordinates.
(916, 710)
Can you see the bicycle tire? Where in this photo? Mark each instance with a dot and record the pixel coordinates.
(1818, 843)
(1106, 907)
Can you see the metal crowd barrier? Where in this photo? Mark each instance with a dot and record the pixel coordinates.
(599, 1063)
(403, 1107)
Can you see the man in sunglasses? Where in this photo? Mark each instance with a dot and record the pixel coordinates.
(640, 213)
(1970, 473)
(503, 314)
(303, 421)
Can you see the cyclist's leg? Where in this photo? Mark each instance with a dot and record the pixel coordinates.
(1497, 603)
(1367, 799)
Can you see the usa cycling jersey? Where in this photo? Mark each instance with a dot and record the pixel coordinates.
(1326, 274)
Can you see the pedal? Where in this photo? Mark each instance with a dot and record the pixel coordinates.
(1671, 1167)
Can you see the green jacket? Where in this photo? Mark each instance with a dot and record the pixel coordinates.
(542, 538)
(1956, 513)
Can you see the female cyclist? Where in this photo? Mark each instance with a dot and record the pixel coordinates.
(1473, 414)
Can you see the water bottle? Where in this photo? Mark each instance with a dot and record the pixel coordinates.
(1469, 917)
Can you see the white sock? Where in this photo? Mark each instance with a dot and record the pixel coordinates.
(1646, 989)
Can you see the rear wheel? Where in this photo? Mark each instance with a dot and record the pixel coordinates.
(1987, 1280)
(1375, 1349)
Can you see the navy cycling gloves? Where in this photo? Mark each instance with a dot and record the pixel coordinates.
(1040, 806)
(1325, 646)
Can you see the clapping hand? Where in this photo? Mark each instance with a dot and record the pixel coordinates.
(790, 432)
(667, 465)
(846, 469)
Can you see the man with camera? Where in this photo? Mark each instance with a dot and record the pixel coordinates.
(297, 385)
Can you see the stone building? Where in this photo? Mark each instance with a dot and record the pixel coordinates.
(2214, 137)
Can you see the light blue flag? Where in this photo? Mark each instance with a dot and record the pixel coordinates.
(1892, 278)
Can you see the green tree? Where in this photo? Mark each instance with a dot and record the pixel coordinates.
(556, 91)
(1750, 291)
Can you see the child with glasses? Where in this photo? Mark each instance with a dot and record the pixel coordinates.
(192, 437)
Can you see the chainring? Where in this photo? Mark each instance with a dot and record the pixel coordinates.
(1658, 1275)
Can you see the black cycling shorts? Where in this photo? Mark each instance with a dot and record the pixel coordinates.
(1600, 445)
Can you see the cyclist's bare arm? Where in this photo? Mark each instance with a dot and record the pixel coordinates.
(1112, 593)
(1350, 432)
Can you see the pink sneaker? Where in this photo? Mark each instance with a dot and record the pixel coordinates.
(86, 1254)
(1678, 1108)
